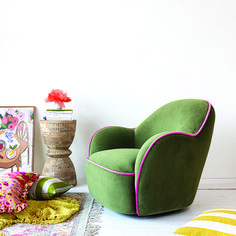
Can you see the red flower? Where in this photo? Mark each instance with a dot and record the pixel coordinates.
(9, 118)
(58, 96)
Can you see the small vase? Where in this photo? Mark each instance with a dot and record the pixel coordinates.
(56, 106)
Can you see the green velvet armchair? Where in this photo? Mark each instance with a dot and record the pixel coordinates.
(155, 167)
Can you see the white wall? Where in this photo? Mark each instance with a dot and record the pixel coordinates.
(119, 61)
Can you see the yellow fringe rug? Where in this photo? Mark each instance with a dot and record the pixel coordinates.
(52, 211)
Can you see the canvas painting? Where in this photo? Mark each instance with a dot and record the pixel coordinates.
(16, 139)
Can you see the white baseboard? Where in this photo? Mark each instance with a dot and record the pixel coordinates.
(217, 184)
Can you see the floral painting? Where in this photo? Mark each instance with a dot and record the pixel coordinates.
(16, 139)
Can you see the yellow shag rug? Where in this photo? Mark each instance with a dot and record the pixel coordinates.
(52, 211)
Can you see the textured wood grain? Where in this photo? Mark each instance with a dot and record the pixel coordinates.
(58, 135)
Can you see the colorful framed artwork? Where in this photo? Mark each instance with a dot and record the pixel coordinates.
(16, 138)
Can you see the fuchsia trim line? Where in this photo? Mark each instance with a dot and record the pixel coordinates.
(145, 155)
(116, 172)
(92, 139)
(113, 171)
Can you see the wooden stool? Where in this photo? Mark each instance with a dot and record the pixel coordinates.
(58, 135)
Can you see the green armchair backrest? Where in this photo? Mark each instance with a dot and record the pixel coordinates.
(185, 115)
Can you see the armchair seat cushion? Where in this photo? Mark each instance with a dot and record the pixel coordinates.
(120, 160)
(112, 179)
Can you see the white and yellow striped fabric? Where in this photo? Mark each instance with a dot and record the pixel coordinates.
(48, 187)
(215, 222)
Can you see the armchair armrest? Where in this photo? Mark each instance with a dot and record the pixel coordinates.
(111, 137)
(167, 173)
(144, 150)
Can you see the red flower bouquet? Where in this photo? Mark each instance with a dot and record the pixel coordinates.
(58, 96)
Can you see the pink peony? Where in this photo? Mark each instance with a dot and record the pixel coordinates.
(11, 112)
(4, 120)
(14, 121)
(20, 127)
(11, 127)
(21, 116)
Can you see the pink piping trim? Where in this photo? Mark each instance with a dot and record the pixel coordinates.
(141, 165)
(92, 139)
(116, 172)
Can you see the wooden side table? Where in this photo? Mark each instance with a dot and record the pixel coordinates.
(58, 135)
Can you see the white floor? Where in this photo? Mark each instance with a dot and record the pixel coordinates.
(213, 195)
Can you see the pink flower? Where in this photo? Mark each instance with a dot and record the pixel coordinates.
(21, 116)
(4, 120)
(14, 121)
(11, 112)
(11, 127)
(20, 127)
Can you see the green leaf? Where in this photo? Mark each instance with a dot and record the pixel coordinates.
(14, 147)
(4, 126)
